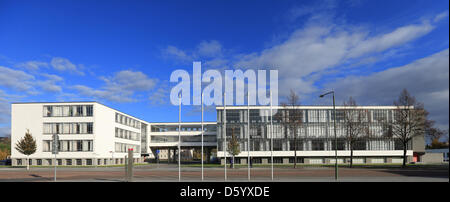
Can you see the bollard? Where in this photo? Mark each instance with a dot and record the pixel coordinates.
(130, 165)
(126, 168)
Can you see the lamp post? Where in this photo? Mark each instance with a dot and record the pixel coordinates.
(335, 137)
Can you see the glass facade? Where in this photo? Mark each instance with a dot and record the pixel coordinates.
(313, 131)
(126, 134)
(128, 121)
(69, 146)
(68, 128)
(68, 110)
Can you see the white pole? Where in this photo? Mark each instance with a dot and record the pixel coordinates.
(179, 138)
(225, 133)
(55, 169)
(271, 132)
(202, 136)
(248, 135)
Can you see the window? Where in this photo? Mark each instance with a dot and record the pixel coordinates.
(79, 163)
(79, 110)
(277, 145)
(90, 128)
(39, 162)
(79, 145)
(48, 111)
(68, 128)
(69, 162)
(89, 146)
(30, 162)
(19, 162)
(88, 110)
(89, 162)
(293, 147)
(340, 144)
(318, 145)
(68, 110)
(59, 161)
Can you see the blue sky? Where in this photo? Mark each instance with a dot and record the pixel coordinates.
(121, 53)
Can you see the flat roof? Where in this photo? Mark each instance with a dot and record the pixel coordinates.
(84, 102)
(307, 107)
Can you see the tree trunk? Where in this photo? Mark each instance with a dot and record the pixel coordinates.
(351, 155)
(28, 163)
(232, 162)
(208, 153)
(404, 155)
(295, 151)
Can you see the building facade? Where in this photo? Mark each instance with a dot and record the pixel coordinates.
(163, 140)
(91, 133)
(312, 141)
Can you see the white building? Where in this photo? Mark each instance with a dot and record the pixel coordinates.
(90, 133)
(314, 141)
(164, 138)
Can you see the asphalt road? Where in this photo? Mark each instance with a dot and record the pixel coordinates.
(169, 173)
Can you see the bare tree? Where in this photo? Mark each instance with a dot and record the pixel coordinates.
(290, 118)
(435, 135)
(410, 120)
(355, 124)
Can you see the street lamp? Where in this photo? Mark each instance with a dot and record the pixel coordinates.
(335, 137)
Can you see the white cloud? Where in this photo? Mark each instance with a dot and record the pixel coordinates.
(161, 95)
(50, 85)
(5, 108)
(32, 65)
(16, 80)
(426, 79)
(321, 46)
(4, 131)
(441, 16)
(383, 42)
(63, 64)
(318, 48)
(121, 87)
(209, 49)
(205, 49)
(174, 52)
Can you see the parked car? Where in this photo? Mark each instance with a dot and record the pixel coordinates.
(6, 162)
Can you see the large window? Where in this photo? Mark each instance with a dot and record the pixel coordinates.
(69, 128)
(123, 148)
(317, 145)
(122, 119)
(68, 110)
(126, 134)
(69, 146)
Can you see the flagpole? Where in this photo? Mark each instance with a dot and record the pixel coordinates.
(179, 138)
(202, 136)
(225, 133)
(248, 135)
(271, 132)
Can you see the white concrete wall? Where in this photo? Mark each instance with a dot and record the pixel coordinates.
(356, 153)
(30, 116)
